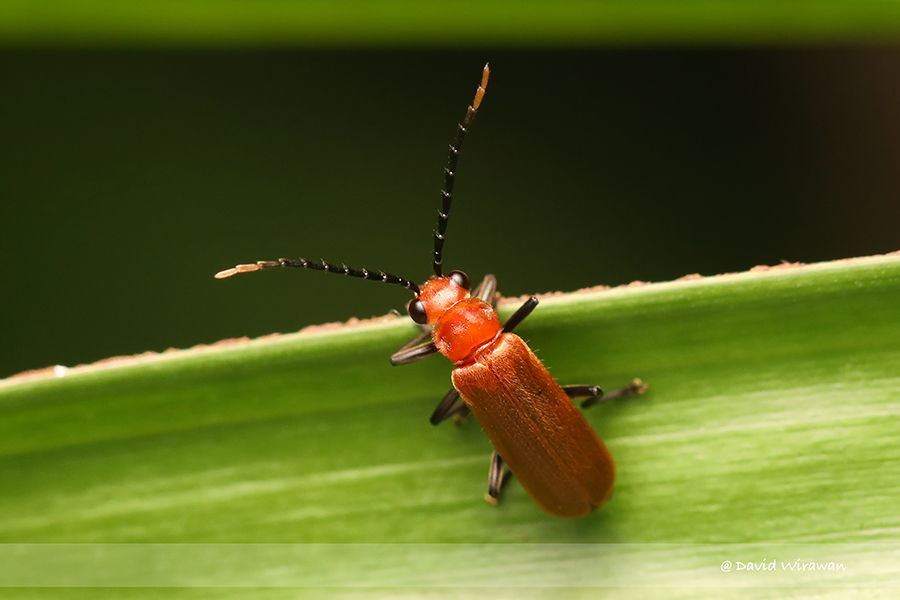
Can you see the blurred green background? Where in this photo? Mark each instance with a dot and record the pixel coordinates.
(140, 156)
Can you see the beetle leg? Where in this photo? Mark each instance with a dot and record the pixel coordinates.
(451, 405)
(486, 290)
(497, 478)
(410, 355)
(461, 414)
(520, 314)
(424, 333)
(415, 349)
(595, 395)
(583, 391)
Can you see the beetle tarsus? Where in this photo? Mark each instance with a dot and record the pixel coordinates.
(461, 415)
(635, 388)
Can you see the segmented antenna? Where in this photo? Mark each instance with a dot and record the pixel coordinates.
(319, 266)
(450, 172)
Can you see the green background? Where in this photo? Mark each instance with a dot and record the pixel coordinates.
(132, 175)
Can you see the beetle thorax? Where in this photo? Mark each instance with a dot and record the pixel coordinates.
(461, 323)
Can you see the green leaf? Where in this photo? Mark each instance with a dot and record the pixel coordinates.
(406, 23)
(772, 416)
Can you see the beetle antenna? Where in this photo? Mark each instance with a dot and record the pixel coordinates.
(319, 266)
(450, 172)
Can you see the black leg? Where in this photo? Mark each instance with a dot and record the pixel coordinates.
(519, 316)
(486, 290)
(407, 354)
(424, 334)
(403, 357)
(497, 478)
(582, 391)
(595, 395)
(451, 405)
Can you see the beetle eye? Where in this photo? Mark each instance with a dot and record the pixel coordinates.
(459, 278)
(416, 311)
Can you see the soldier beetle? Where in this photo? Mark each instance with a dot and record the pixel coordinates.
(536, 430)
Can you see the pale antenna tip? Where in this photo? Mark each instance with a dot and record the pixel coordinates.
(237, 269)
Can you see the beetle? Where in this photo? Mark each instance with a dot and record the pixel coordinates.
(537, 431)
